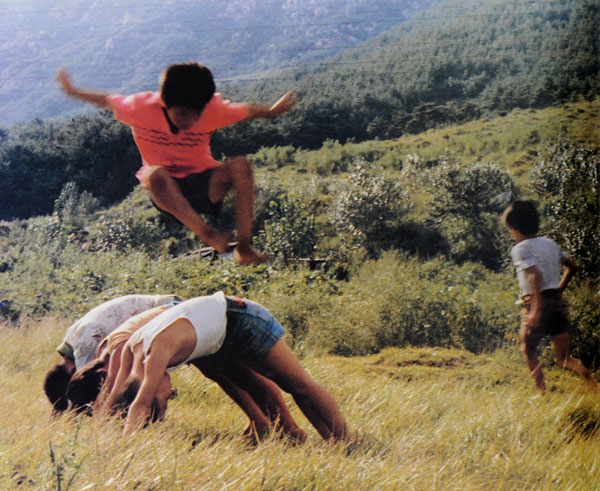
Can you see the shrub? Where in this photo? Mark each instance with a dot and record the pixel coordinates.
(289, 231)
(396, 301)
(585, 319)
(72, 207)
(466, 205)
(567, 182)
(127, 231)
(368, 209)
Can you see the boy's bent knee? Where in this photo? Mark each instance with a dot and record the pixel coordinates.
(157, 178)
(241, 167)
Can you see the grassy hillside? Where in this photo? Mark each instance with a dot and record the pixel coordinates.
(423, 419)
(459, 412)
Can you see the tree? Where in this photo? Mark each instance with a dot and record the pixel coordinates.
(567, 183)
(466, 205)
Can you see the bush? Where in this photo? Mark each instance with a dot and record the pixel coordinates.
(396, 301)
(466, 205)
(368, 209)
(585, 319)
(127, 231)
(289, 231)
(73, 208)
(568, 184)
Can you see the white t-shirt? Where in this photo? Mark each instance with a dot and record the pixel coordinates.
(208, 316)
(545, 255)
(83, 337)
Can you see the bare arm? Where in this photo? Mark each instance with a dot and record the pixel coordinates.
(93, 97)
(125, 367)
(535, 281)
(570, 269)
(284, 104)
(155, 366)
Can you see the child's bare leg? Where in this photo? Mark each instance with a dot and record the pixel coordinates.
(167, 195)
(282, 366)
(269, 398)
(560, 344)
(529, 345)
(237, 173)
(212, 369)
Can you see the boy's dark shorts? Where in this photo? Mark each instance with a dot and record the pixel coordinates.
(195, 189)
(554, 319)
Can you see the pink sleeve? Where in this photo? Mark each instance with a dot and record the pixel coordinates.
(126, 107)
(223, 113)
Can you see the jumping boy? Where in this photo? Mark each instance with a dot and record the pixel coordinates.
(172, 130)
(237, 329)
(537, 261)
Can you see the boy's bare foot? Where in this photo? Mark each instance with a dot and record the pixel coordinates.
(219, 241)
(249, 255)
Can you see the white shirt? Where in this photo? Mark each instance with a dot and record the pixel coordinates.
(208, 316)
(83, 337)
(545, 255)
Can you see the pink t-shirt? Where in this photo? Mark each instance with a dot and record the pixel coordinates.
(182, 153)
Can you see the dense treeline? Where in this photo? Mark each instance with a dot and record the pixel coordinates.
(462, 62)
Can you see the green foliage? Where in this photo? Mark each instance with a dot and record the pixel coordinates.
(127, 231)
(567, 181)
(369, 208)
(585, 318)
(289, 231)
(466, 205)
(96, 153)
(403, 302)
(72, 207)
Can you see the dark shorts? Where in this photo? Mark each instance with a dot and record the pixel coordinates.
(554, 319)
(195, 189)
(251, 329)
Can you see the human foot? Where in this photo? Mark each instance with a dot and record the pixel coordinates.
(249, 255)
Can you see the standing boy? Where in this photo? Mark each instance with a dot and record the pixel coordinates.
(537, 261)
(172, 129)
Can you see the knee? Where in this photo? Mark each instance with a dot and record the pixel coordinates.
(241, 168)
(158, 178)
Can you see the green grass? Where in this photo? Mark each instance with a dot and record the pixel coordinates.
(423, 418)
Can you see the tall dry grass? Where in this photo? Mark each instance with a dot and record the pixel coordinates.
(423, 419)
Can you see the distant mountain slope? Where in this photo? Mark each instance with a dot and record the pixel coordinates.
(123, 45)
(461, 61)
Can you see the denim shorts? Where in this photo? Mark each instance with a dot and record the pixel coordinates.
(252, 331)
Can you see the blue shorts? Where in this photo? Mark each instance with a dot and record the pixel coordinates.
(252, 331)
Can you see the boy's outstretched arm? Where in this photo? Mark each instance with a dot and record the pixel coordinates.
(284, 104)
(93, 97)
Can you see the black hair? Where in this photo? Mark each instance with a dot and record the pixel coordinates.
(85, 386)
(522, 215)
(55, 386)
(189, 85)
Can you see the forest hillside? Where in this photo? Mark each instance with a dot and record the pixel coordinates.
(123, 46)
